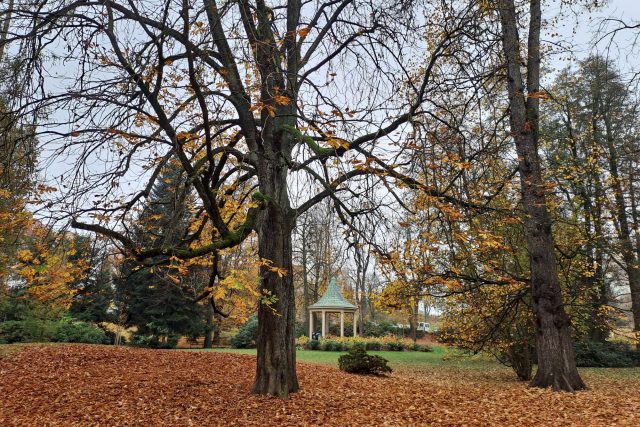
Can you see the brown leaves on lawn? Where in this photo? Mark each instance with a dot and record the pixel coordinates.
(100, 385)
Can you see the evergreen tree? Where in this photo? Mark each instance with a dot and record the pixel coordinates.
(160, 309)
(95, 293)
(591, 140)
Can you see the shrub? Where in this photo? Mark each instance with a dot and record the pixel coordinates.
(80, 332)
(375, 329)
(419, 347)
(65, 330)
(357, 361)
(330, 345)
(155, 341)
(31, 330)
(247, 335)
(393, 344)
(372, 345)
(313, 345)
(301, 342)
(605, 355)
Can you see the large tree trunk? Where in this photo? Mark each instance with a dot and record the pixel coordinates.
(276, 359)
(556, 360)
(276, 364)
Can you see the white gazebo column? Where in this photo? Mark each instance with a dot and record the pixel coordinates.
(324, 323)
(311, 324)
(355, 322)
(342, 323)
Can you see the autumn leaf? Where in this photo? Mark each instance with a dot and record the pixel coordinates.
(282, 100)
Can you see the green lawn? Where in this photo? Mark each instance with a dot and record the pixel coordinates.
(440, 356)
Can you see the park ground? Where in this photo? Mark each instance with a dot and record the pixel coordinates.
(103, 385)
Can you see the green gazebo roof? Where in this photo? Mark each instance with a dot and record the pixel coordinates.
(333, 299)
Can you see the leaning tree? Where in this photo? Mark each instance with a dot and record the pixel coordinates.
(260, 103)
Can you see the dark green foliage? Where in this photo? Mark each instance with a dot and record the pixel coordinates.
(35, 330)
(32, 330)
(373, 346)
(300, 330)
(395, 346)
(95, 292)
(334, 329)
(247, 335)
(313, 345)
(357, 361)
(160, 339)
(605, 355)
(161, 309)
(331, 345)
(158, 307)
(420, 347)
(23, 319)
(379, 329)
(80, 332)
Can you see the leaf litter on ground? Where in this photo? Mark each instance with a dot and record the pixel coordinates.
(70, 385)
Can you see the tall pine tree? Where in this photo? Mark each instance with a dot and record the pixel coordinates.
(160, 308)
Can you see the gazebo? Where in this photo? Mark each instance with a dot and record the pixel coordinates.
(332, 302)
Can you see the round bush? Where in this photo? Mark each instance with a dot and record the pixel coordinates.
(247, 335)
(80, 332)
(312, 345)
(357, 361)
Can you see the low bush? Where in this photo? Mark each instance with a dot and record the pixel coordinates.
(80, 332)
(301, 342)
(605, 355)
(155, 341)
(357, 361)
(65, 330)
(372, 345)
(419, 347)
(31, 330)
(312, 345)
(247, 334)
(389, 343)
(331, 345)
(394, 346)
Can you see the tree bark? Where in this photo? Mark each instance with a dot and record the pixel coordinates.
(276, 358)
(210, 326)
(556, 360)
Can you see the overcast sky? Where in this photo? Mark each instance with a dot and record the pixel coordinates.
(586, 28)
(577, 31)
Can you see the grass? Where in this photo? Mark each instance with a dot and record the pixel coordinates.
(440, 357)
